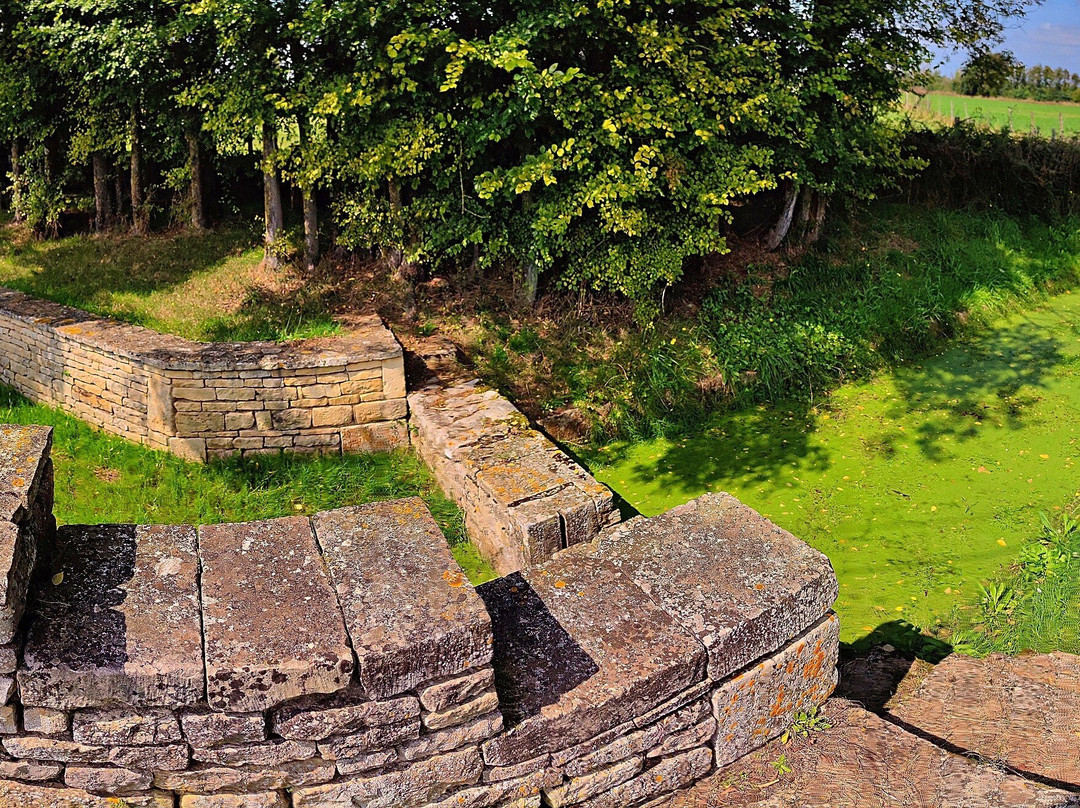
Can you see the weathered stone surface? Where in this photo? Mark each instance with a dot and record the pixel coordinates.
(272, 626)
(366, 763)
(270, 753)
(120, 727)
(201, 778)
(1023, 712)
(341, 714)
(697, 735)
(421, 622)
(579, 650)
(580, 788)
(864, 761)
(7, 688)
(212, 729)
(23, 795)
(462, 713)
(9, 658)
(444, 740)
(628, 742)
(9, 720)
(107, 779)
(670, 774)
(272, 799)
(741, 584)
(121, 626)
(414, 785)
(33, 747)
(447, 692)
(25, 516)
(760, 703)
(524, 791)
(368, 740)
(45, 721)
(29, 770)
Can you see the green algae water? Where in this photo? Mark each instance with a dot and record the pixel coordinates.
(919, 485)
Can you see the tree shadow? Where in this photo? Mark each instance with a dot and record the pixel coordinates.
(76, 271)
(996, 380)
(754, 445)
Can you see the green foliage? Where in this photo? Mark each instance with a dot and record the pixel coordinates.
(101, 478)
(1033, 607)
(805, 723)
(987, 73)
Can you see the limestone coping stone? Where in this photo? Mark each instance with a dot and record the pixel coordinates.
(1022, 712)
(370, 341)
(24, 452)
(411, 613)
(741, 584)
(580, 649)
(117, 621)
(272, 626)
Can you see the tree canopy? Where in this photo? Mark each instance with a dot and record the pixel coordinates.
(602, 144)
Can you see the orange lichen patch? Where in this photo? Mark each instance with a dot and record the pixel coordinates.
(454, 578)
(759, 587)
(560, 584)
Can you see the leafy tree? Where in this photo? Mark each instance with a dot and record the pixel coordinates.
(988, 74)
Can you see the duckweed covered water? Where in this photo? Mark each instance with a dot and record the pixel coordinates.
(918, 485)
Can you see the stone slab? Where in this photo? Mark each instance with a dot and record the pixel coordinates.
(1023, 712)
(864, 761)
(273, 629)
(579, 649)
(741, 584)
(24, 451)
(762, 701)
(117, 622)
(412, 614)
(22, 795)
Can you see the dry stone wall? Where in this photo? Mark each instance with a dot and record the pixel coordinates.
(207, 400)
(345, 660)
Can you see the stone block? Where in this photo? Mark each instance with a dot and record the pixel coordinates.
(107, 779)
(291, 419)
(445, 740)
(9, 720)
(204, 779)
(371, 411)
(578, 789)
(25, 795)
(579, 650)
(742, 585)
(125, 727)
(271, 799)
(273, 629)
(384, 436)
(463, 713)
(213, 729)
(523, 792)
(9, 658)
(414, 785)
(193, 449)
(29, 770)
(366, 762)
(365, 741)
(45, 721)
(760, 703)
(421, 623)
(268, 753)
(331, 416)
(170, 757)
(452, 690)
(315, 720)
(670, 774)
(120, 626)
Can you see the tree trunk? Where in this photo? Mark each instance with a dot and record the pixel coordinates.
(775, 237)
(310, 199)
(16, 183)
(532, 283)
(103, 216)
(817, 219)
(197, 191)
(273, 214)
(140, 215)
(405, 271)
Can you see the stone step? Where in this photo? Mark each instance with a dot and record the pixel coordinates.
(272, 625)
(864, 761)
(116, 621)
(1022, 712)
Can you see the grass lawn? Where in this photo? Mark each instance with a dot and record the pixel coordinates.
(200, 286)
(1045, 115)
(101, 478)
(920, 484)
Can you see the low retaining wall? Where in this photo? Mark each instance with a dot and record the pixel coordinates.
(345, 660)
(207, 400)
(524, 498)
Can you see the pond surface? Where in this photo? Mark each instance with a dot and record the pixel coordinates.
(919, 485)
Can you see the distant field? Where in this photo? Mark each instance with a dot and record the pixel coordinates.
(1042, 115)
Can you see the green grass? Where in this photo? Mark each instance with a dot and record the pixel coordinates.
(1045, 116)
(920, 484)
(101, 478)
(201, 286)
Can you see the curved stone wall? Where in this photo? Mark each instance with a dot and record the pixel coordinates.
(344, 660)
(206, 400)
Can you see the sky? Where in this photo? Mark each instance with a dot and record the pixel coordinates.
(1050, 35)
